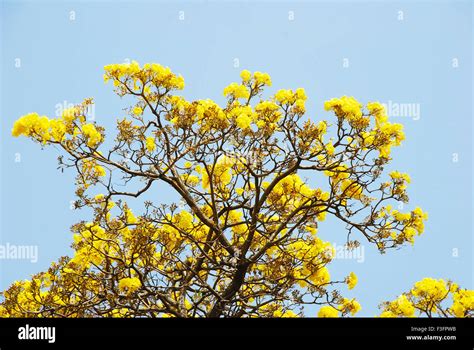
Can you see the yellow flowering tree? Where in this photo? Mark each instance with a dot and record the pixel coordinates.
(431, 297)
(255, 176)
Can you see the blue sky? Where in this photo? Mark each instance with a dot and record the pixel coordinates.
(407, 52)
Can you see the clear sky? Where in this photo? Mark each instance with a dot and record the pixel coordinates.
(407, 53)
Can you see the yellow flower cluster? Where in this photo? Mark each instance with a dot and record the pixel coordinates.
(265, 115)
(400, 182)
(184, 227)
(190, 180)
(32, 124)
(275, 310)
(400, 307)
(292, 192)
(383, 136)
(129, 285)
(341, 183)
(296, 98)
(92, 135)
(243, 121)
(430, 288)
(137, 111)
(311, 140)
(349, 306)
(239, 225)
(463, 302)
(351, 189)
(268, 115)
(285, 96)
(430, 296)
(351, 280)
(91, 171)
(378, 111)
(313, 254)
(396, 175)
(245, 75)
(262, 79)
(130, 76)
(303, 260)
(286, 314)
(72, 122)
(221, 175)
(150, 144)
(210, 115)
(327, 311)
(347, 107)
(413, 223)
(388, 135)
(346, 306)
(236, 91)
(91, 243)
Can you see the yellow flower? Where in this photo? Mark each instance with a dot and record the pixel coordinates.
(33, 125)
(347, 107)
(184, 220)
(300, 106)
(92, 135)
(351, 280)
(129, 72)
(324, 196)
(58, 129)
(137, 111)
(330, 148)
(285, 96)
(396, 175)
(431, 288)
(378, 111)
(301, 94)
(262, 78)
(245, 75)
(463, 300)
(243, 121)
(20, 127)
(404, 306)
(287, 314)
(321, 276)
(150, 144)
(351, 306)
(328, 311)
(99, 170)
(130, 218)
(387, 314)
(129, 285)
(191, 180)
(221, 174)
(237, 91)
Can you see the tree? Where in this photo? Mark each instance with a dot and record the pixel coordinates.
(430, 297)
(254, 178)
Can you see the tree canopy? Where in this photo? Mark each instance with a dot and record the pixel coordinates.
(254, 176)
